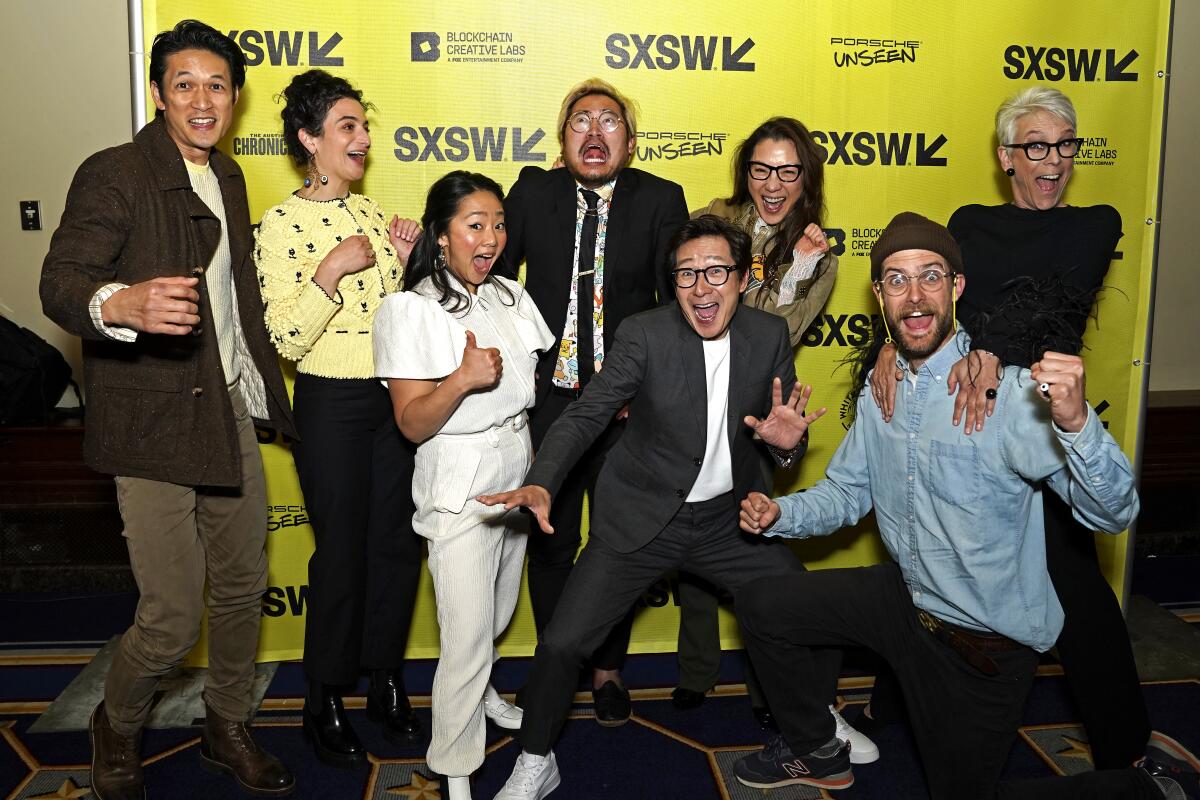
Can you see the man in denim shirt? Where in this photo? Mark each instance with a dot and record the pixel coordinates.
(967, 605)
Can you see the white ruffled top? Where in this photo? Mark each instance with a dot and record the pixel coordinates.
(416, 338)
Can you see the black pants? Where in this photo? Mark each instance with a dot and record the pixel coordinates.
(1094, 644)
(551, 557)
(964, 721)
(700, 640)
(702, 538)
(355, 471)
(1093, 647)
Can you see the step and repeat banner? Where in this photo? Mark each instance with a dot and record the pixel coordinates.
(900, 97)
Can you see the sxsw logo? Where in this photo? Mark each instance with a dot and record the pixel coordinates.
(279, 48)
(425, 46)
(1026, 62)
(842, 330)
(458, 143)
(863, 148)
(668, 51)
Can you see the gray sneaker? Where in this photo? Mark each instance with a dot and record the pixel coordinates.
(533, 777)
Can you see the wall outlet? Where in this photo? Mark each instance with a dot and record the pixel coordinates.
(31, 215)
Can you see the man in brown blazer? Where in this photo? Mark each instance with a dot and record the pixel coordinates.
(151, 267)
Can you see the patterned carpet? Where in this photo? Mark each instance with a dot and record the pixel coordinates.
(661, 753)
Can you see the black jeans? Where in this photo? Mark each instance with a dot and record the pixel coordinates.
(964, 721)
(356, 473)
(551, 557)
(702, 538)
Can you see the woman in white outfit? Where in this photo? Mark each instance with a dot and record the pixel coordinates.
(458, 349)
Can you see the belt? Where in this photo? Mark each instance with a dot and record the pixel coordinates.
(972, 647)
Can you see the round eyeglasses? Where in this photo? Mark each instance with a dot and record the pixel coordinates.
(581, 121)
(896, 283)
(716, 275)
(1037, 151)
(788, 173)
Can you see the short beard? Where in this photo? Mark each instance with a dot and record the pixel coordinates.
(941, 331)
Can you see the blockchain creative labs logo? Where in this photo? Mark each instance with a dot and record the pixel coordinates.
(289, 48)
(260, 144)
(673, 145)
(853, 51)
(885, 148)
(458, 143)
(669, 51)
(1097, 151)
(1027, 62)
(467, 47)
(861, 240)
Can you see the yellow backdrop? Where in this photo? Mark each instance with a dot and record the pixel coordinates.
(901, 96)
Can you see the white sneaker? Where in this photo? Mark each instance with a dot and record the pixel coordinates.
(862, 749)
(500, 711)
(533, 777)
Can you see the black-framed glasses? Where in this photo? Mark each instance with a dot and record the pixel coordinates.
(896, 283)
(715, 275)
(1037, 151)
(581, 121)
(788, 173)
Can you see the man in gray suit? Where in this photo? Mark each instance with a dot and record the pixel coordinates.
(704, 380)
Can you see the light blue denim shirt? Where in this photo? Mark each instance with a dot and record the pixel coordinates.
(962, 515)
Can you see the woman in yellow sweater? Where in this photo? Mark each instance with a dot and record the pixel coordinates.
(326, 260)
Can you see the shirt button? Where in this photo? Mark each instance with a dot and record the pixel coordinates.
(910, 477)
(197, 391)
(680, 493)
(912, 436)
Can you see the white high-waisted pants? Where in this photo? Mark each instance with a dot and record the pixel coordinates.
(475, 557)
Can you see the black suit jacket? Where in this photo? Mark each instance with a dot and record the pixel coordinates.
(657, 366)
(540, 215)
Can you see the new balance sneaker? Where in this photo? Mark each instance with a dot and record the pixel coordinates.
(862, 749)
(1172, 767)
(776, 765)
(533, 777)
(503, 713)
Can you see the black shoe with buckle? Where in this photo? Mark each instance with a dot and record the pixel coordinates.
(611, 704)
(388, 705)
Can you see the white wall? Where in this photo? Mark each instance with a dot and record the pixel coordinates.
(66, 90)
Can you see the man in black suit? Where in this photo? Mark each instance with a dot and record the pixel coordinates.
(704, 382)
(593, 237)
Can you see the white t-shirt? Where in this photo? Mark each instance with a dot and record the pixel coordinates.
(716, 473)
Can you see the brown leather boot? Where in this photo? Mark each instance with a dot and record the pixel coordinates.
(226, 745)
(116, 761)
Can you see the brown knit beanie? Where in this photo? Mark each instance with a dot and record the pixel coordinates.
(910, 231)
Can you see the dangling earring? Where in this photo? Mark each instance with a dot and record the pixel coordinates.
(441, 258)
(1010, 172)
(314, 175)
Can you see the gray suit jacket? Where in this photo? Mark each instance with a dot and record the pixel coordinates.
(657, 366)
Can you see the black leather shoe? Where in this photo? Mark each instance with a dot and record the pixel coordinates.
(686, 699)
(611, 704)
(765, 719)
(328, 729)
(387, 704)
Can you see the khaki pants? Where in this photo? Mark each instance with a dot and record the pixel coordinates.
(179, 536)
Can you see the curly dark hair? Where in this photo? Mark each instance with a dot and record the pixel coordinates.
(809, 208)
(307, 99)
(441, 205)
(191, 34)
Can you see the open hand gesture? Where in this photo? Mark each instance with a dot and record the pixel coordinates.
(787, 423)
(533, 497)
